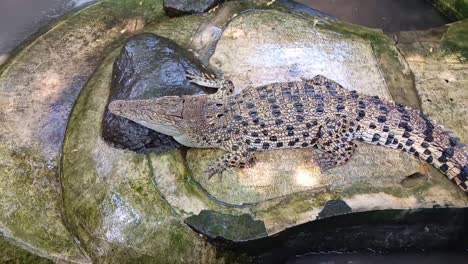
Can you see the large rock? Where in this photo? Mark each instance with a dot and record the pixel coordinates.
(438, 59)
(272, 46)
(38, 88)
(274, 195)
(110, 200)
(148, 66)
(127, 207)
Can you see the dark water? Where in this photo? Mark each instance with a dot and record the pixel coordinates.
(410, 258)
(389, 15)
(21, 18)
(421, 236)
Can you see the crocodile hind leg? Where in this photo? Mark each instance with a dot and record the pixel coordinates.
(335, 154)
(322, 80)
(336, 148)
(225, 87)
(232, 159)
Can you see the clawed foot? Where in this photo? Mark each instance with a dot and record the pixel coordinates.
(249, 163)
(215, 169)
(204, 79)
(322, 162)
(219, 168)
(225, 87)
(325, 165)
(229, 160)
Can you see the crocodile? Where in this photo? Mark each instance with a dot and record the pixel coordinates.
(313, 113)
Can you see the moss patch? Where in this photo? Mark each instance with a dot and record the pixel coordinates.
(122, 9)
(38, 86)
(109, 198)
(12, 254)
(181, 29)
(400, 191)
(454, 9)
(455, 39)
(173, 180)
(29, 203)
(295, 209)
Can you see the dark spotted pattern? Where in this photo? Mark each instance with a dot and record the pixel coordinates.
(314, 114)
(294, 123)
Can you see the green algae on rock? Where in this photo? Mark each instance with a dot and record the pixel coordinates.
(455, 40)
(109, 199)
(454, 9)
(38, 87)
(146, 10)
(181, 29)
(10, 253)
(172, 179)
(39, 228)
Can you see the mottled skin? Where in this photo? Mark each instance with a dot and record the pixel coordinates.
(317, 113)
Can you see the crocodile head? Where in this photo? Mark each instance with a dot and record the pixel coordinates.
(162, 114)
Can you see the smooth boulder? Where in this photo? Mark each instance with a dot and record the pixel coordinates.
(148, 66)
(184, 7)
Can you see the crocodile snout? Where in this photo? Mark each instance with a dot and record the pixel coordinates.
(116, 106)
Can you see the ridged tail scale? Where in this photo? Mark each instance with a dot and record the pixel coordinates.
(399, 127)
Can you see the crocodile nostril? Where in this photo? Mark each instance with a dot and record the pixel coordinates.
(115, 106)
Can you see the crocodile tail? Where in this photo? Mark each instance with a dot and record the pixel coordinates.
(395, 126)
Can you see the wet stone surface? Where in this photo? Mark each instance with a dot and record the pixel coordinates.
(38, 88)
(334, 207)
(186, 7)
(123, 206)
(237, 228)
(272, 46)
(441, 74)
(10, 253)
(149, 66)
(110, 201)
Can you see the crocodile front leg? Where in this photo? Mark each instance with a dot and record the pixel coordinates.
(225, 87)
